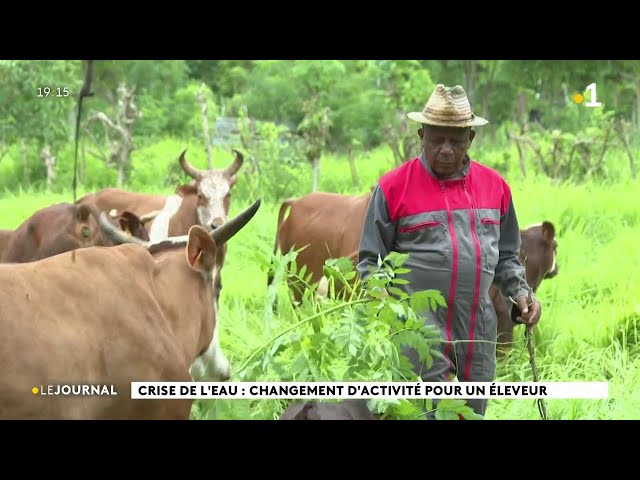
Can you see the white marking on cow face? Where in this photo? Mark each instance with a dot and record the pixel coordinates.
(213, 364)
(213, 188)
(160, 227)
(553, 271)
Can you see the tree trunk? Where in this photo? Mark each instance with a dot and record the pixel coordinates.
(124, 158)
(485, 114)
(205, 126)
(83, 162)
(512, 137)
(354, 172)
(49, 161)
(623, 138)
(469, 69)
(120, 174)
(25, 166)
(636, 108)
(315, 165)
(121, 130)
(522, 112)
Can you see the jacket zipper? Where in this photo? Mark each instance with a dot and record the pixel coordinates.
(476, 293)
(454, 274)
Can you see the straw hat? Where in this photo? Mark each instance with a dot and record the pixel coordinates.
(448, 107)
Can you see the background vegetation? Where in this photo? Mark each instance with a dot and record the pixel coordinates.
(337, 126)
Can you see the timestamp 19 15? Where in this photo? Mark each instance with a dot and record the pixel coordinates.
(54, 92)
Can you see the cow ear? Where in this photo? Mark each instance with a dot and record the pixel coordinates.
(124, 225)
(82, 213)
(185, 190)
(136, 225)
(201, 249)
(548, 231)
(130, 223)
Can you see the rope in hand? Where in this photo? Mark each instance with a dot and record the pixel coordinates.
(542, 406)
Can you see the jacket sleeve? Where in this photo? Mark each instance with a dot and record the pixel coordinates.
(510, 275)
(378, 233)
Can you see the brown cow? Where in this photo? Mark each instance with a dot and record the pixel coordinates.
(205, 202)
(331, 225)
(5, 236)
(538, 255)
(60, 228)
(114, 316)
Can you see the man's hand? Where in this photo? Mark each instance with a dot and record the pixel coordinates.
(529, 313)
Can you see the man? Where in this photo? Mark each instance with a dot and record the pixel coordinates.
(457, 220)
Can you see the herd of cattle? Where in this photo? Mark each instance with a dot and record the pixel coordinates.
(123, 286)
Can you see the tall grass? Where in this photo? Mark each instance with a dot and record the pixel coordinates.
(590, 311)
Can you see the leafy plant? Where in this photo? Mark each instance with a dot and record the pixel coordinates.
(355, 333)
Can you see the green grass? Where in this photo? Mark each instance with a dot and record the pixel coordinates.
(591, 310)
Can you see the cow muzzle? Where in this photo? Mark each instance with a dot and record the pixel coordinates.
(216, 223)
(204, 371)
(212, 365)
(552, 273)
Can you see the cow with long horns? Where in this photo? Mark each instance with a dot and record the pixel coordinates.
(205, 201)
(136, 312)
(59, 228)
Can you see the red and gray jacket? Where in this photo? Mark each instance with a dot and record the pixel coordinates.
(462, 235)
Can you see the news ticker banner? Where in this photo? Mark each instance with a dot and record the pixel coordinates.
(368, 390)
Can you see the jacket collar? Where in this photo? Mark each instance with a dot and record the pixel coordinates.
(462, 174)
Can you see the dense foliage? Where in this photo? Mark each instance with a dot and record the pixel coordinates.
(285, 115)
